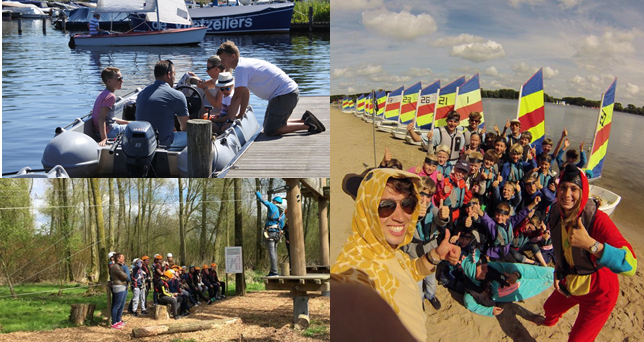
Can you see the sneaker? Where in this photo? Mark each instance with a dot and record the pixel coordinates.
(143, 313)
(271, 274)
(306, 115)
(177, 317)
(122, 322)
(210, 301)
(312, 119)
(313, 129)
(135, 314)
(116, 326)
(435, 303)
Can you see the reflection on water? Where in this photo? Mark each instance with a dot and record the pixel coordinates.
(46, 84)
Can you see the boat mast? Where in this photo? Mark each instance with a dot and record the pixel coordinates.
(156, 2)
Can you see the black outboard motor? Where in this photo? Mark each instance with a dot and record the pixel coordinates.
(139, 146)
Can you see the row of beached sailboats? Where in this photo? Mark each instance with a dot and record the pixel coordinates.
(428, 107)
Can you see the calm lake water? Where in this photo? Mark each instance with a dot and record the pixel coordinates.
(624, 163)
(45, 84)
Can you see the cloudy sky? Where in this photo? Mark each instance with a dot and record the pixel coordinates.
(581, 44)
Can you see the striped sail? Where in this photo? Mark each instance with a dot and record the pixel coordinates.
(368, 105)
(381, 99)
(409, 101)
(446, 101)
(392, 109)
(468, 99)
(360, 107)
(425, 106)
(352, 105)
(348, 105)
(531, 109)
(604, 122)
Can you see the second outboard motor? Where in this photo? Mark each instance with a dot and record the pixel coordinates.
(139, 146)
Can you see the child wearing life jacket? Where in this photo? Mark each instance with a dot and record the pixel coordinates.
(571, 156)
(524, 141)
(500, 145)
(444, 167)
(515, 169)
(525, 240)
(475, 181)
(509, 193)
(490, 138)
(474, 145)
(454, 191)
(500, 229)
(428, 168)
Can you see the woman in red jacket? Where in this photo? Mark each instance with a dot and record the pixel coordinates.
(589, 253)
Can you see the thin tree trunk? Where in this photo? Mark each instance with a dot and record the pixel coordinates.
(6, 273)
(111, 229)
(258, 241)
(91, 233)
(121, 220)
(203, 242)
(182, 228)
(240, 278)
(100, 231)
(66, 229)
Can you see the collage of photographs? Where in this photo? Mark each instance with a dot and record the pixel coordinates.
(208, 170)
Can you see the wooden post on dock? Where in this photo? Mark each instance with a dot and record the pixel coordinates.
(324, 231)
(199, 148)
(64, 23)
(44, 26)
(296, 230)
(19, 23)
(310, 18)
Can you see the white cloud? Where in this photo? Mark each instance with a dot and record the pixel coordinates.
(353, 5)
(340, 72)
(351, 90)
(458, 40)
(369, 70)
(632, 89)
(601, 52)
(517, 3)
(478, 52)
(578, 80)
(549, 73)
(390, 78)
(403, 25)
(419, 72)
(523, 68)
(491, 71)
(566, 4)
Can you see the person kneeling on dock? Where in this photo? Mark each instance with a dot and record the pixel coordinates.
(158, 103)
(270, 83)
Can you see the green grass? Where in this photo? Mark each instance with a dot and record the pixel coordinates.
(321, 11)
(43, 311)
(316, 329)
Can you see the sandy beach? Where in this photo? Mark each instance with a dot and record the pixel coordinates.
(350, 153)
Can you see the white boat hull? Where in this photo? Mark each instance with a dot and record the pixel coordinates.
(609, 199)
(185, 36)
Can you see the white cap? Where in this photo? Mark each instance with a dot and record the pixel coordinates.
(110, 254)
(135, 260)
(169, 255)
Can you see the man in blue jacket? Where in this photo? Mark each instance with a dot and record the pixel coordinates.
(272, 228)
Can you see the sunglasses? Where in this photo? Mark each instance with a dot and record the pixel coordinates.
(502, 212)
(387, 207)
(210, 67)
(431, 162)
(475, 121)
(120, 79)
(225, 88)
(529, 183)
(423, 193)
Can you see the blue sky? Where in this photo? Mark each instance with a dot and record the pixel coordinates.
(581, 44)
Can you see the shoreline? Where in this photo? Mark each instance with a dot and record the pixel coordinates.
(352, 147)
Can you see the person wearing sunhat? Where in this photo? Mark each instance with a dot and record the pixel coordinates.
(384, 220)
(272, 228)
(515, 132)
(590, 252)
(226, 85)
(269, 83)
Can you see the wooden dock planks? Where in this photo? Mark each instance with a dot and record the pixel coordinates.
(293, 155)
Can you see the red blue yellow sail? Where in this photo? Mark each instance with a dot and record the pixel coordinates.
(602, 132)
(445, 102)
(381, 99)
(468, 99)
(392, 109)
(531, 109)
(425, 106)
(368, 105)
(348, 106)
(409, 101)
(360, 108)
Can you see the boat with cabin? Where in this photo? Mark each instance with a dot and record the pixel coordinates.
(25, 11)
(162, 11)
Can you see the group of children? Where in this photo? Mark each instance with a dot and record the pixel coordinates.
(494, 196)
(179, 286)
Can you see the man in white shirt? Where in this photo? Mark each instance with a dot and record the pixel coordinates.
(270, 83)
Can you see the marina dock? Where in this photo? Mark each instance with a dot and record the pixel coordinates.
(293, 155)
